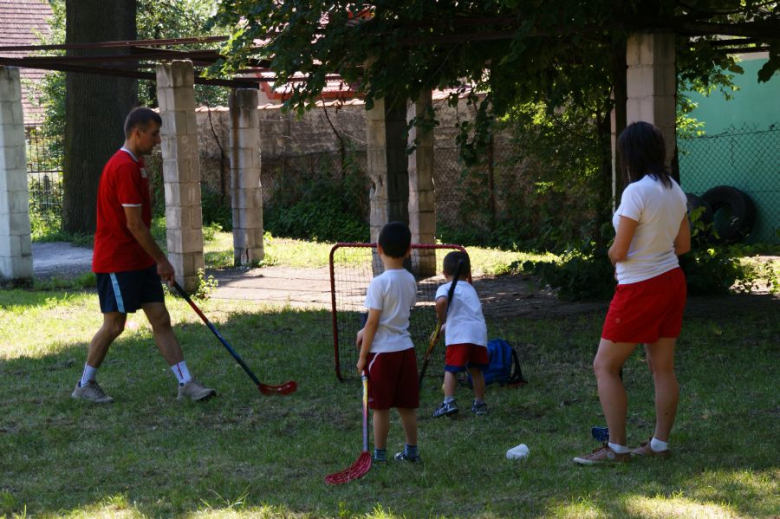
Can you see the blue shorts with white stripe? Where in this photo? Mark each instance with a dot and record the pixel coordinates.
(126, 292)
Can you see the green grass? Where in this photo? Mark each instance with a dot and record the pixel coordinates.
(305, 254)
(245, 455)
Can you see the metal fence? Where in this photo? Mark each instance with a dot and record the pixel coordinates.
(44, 177)
(745, 158)
(499, 192)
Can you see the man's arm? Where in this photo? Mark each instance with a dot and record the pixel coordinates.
(139, 230)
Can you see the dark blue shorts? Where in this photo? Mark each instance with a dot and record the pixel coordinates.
(125, 292)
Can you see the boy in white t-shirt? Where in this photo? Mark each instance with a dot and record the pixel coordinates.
(465, 336)
(386, 349)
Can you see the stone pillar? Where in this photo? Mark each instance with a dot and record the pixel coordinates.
(652, 84)
(16, 265)
(245, 189)
(422, 198)
(387, 163)
(181, 170)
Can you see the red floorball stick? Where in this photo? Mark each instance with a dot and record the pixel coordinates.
(363, 464)
(284, 389)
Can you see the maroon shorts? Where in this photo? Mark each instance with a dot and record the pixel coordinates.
(462, 356)
(648, 310)
(392, 380)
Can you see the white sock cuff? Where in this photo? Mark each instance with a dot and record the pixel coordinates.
(620, 449)
(658, 445)
(181, 372)
(88, 375)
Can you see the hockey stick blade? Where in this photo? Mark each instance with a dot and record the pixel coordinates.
(284, 389)
(355, 471)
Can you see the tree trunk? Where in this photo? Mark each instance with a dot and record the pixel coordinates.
(95, 106)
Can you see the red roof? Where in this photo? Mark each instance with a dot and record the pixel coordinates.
(22, 22)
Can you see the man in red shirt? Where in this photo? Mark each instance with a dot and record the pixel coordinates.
(129, 264)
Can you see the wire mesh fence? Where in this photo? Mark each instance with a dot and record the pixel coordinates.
(744, 158)
(44, 177)
(352, 266)
(501, 197)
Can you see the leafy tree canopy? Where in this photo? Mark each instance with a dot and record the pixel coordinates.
(155, 19)
(513, 51)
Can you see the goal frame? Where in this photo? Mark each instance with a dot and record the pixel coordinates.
(373, 245)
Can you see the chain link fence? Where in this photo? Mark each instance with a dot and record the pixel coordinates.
(744, 158)
(44, 178)
(502, 197)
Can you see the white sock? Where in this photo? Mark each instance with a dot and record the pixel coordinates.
(88, 375)
(619, 449)
(181, 372)
(658, 445)
(448, 399)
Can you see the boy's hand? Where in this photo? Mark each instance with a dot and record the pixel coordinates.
(434, 337)
(359, 340)
(361, 364)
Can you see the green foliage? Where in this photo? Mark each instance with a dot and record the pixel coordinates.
(83, 281)
(216, 211)
(155, 19)
(206, 285)
(582, 274)
(332, 207)
(514, 51)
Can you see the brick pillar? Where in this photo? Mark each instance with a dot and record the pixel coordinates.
(16, 265)
(245, 189)
(387, 163)
(652, 84)
(422, 198)
(181, 170)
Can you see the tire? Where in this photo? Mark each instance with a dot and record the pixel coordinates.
(694, 202)
(734, 213)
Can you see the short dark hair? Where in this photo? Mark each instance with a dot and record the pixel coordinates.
(395, 239)
(140, 118)
(643, 152)
(451, 260)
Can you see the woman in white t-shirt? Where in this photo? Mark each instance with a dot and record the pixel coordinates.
(652, 230)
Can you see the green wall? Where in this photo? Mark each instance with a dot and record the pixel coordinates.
(741, 149)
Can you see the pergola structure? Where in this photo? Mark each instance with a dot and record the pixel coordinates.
(402, 184)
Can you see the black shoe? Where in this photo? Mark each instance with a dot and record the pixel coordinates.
(479, 409)
(446, 409)
(402, 456)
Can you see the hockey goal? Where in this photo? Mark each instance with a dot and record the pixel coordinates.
(352, 266)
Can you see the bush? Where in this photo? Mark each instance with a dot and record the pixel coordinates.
(583, 273)
(586, 273)
(330, 208)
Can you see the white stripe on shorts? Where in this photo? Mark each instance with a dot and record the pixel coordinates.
(118, 294)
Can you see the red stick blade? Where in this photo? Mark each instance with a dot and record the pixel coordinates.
(357, 470)
(284, 389)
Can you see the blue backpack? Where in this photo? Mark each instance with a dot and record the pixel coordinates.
(504, 366)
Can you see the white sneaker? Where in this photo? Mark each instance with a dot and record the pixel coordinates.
(92, 392)
(195, 391)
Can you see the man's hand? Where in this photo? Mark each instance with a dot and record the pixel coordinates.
(165, 271)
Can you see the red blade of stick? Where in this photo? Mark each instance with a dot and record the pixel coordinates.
(357, 470)
(284, 389)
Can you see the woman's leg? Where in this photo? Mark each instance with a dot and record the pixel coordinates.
(660, 358)
(609, 359)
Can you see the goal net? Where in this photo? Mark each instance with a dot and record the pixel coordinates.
(352, 267)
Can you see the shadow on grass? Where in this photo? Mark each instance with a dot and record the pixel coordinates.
(151, 455)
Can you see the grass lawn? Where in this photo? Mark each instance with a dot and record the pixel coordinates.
(246, 455)
(306, 254)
